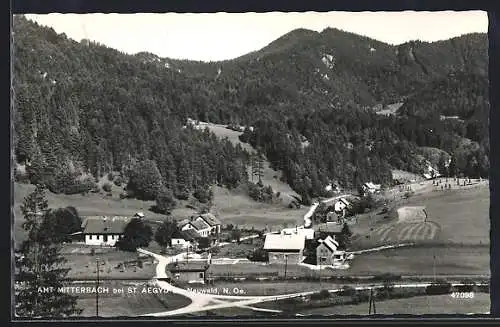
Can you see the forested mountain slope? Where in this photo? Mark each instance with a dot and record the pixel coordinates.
(84, 106)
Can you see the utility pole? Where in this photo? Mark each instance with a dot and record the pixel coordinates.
(371, 303)
(320, 271)
(38, 214)
(286, 263)
(434, 266)
(97, 287)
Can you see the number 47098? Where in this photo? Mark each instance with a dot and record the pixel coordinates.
(462, 295)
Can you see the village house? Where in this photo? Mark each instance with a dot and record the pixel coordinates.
(371, 188)
(430, 172)
(285, 248)
(185, 239)
(341, 205)
(327, 253)
(189, 271)
(103, 231)
(200, 226)
(210, 220)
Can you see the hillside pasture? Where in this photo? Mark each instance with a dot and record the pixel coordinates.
(406, 232)
(457, 216)
(271, 177)
(240, 210)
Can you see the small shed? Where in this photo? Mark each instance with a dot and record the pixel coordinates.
(189, 271)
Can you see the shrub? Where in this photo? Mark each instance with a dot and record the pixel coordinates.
(260, 193)
(118, 181)
(106, 187)
(165, 201)
(469, 286)
(360, 297)
(137, 234)
(438, 288)
(386, 277)
(111, 176)
(485, 288)
(181, 193)
(259, 255)
(347, 291)
(203, 195)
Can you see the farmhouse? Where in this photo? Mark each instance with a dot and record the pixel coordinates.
(370, 187)
(200, 226)
(285, 248)
(341, 205)
(185, 239)
(211, 220)
(189, 271)
(103, 231)
(327, 253)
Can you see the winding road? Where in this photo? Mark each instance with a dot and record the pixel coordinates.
(205, 302)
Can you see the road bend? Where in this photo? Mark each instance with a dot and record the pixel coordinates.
(202, 302)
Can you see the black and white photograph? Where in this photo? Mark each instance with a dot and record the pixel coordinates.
(279, 164)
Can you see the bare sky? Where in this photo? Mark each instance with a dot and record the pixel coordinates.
(220, 36)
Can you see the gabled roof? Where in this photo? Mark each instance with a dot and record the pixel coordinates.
(188, 266)
(330, 243)
(210, 219)
(104, 225)
(329, 227)
(183, 222)
(187, 235)
(199, 224)
(371, 185)
(284, 242)
(343, 200)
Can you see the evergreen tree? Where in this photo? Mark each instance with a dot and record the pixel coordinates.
(40, 275)
(145, 180)
(165, 201)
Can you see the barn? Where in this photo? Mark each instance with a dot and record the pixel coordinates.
(285, 248)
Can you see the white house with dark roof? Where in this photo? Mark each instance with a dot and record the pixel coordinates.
(103, 231)
(185, 239)
(341, 205)
(327, 253)
(210, 220)
(370, 187)
(200, 226)
(285, 248)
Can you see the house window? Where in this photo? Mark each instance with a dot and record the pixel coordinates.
(201, 275)
(323, 259)
(90, 237)
(105, 238)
